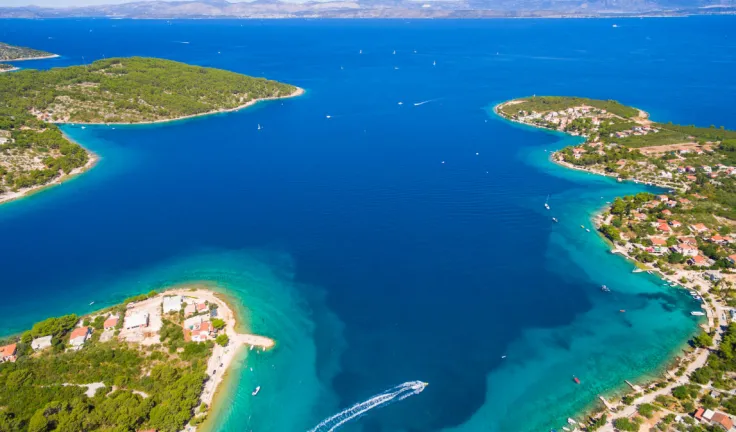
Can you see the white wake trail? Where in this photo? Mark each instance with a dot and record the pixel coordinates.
(395, 394)
(424, 102)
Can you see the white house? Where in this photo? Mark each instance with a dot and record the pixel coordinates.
(172, 303)
(79, 336)
(41, 343)
(136, 319)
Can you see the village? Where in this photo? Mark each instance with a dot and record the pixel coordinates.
(199, 315)
(682, 234)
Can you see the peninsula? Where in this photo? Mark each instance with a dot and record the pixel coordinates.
(16, 53)
(684, 235)
(34, 152)
(153, 362)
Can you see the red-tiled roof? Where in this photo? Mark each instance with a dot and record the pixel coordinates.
(7, 350)
(110, 322)
(79, 331)
(723, 420)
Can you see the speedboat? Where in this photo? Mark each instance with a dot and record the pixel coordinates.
(571, 421)
(605, 288)
(577, 381)
(255, 392)
(91, 303)
(555, 219)
(581, 226)
(697, 313)
(587, 229)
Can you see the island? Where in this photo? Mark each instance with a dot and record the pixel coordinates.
(684, 234)
(16, 53)
(153, 362)
(35, 153)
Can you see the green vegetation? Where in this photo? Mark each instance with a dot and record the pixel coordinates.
(126, 90)
(12, 52)
(624, 424)
(156, 387)
(558, 103)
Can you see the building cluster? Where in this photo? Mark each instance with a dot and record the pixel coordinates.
(714, 418)
(687, 235)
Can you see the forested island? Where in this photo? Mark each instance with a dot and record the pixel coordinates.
(686, 234)
(34, 152)
(150, 363)
(12, 52)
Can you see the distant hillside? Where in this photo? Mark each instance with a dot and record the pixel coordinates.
(11, 52)
(380, 9)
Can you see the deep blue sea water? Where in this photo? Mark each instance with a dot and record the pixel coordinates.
(348, 240)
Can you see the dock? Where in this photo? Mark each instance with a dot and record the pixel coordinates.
(635, 387)
(607, 404)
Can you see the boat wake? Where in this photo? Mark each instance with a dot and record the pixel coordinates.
(424, 102)
(395, 394)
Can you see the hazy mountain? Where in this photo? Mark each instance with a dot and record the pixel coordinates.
(379, 9)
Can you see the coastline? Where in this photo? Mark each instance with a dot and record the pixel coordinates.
(94, 158)
(32, 58)
(222, 357)
(298, 92)
(26, 192)
(679, 358)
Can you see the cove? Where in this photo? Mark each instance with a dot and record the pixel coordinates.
(348, 240)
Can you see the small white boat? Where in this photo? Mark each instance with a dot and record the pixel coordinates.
(693, 293)
(434, 63)
(328, 116)
(571, 421)
(566, 428)
(255, 392)
(394, 52)
(615, 26)
(401, 103)
(503, 356)
(443, 161)
(84, 127)
(697, 313)
(360, 52)
(554, 219)
(259, 126)
(581, 226)
(91, 303)
(587, 229)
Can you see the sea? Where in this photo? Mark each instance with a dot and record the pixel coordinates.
(386, 226)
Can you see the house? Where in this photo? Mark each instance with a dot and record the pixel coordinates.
(621, 163)
(656, 241)
(685, 249)
(732, 259)
(683, 201)
(8, 353)
(664, 227)
(671, 203)
(666, 212)
(172, 304)
(707, 169)
(204, 332)
(41, 343)
(698, 228)
(79, 336)
(675, 224)
(698, 196)
(690, 169)
(201, 307)
(189, 309)
(717, 239)
(110, 323)
(136, 319)
(691, 177)
(698, 260)
(714, 417)
(639, 216)
(663, 198)
(688, 240)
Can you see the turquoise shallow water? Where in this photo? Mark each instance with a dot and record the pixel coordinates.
(348, 241)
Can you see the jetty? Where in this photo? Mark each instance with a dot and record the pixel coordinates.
(634, 387)
(608, 405)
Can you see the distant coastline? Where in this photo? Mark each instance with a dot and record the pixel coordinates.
(50, 56)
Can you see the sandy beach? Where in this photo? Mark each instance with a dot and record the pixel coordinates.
(222, 357)
(33, 58)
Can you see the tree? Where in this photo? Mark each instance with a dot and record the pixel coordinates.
(39, 422)
(222, 339)
(218, 324)
(703, 340)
